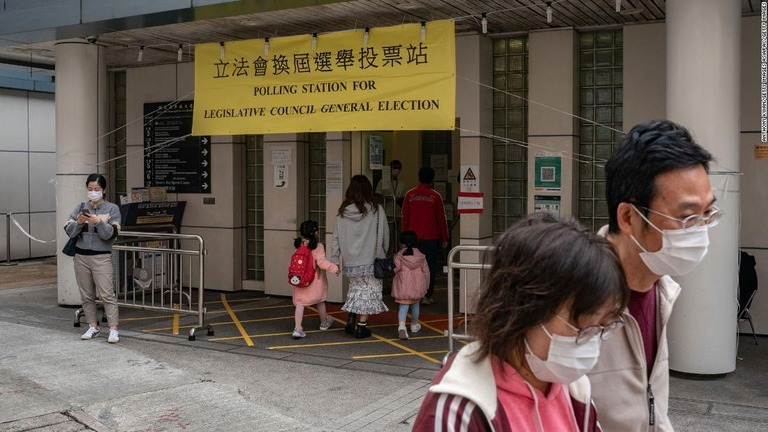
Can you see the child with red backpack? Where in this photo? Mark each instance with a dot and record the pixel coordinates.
(307, 275)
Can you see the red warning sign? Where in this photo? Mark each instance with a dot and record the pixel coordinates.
(469, 175)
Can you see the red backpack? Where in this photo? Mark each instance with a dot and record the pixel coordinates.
(301, 272)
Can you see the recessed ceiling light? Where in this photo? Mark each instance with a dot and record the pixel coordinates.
(411, 5)
(632, 11)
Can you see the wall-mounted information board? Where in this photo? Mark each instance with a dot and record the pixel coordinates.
(172, 159)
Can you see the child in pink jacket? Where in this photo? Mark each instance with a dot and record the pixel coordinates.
(410, 283)
(317, 291)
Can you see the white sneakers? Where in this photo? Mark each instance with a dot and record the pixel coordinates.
(298, 334)
(328, 323)
(402, 333)
(92, 332)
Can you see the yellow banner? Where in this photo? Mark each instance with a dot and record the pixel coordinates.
(395, 78)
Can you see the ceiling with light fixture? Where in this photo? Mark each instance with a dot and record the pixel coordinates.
(163, 34)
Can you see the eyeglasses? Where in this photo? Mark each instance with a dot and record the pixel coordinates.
(605, 332)
(710, 218)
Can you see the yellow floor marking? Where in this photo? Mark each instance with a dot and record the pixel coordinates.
(280, 318)
(392, 342)
(175, 324)
(146, 318)
(355, 342)
(264, 335)
(405, 348)
(251, 309)
(395, 355)
(241, 300)
(232, 315)
(221, 323)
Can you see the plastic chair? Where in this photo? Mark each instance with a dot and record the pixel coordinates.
(747, 289)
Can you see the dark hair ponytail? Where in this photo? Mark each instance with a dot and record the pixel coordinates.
(307, 231)
(409, 239)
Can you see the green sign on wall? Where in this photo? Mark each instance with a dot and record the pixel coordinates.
(548, 172)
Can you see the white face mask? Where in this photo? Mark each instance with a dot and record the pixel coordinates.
(94, 195)
(681, 251)
(566, 362)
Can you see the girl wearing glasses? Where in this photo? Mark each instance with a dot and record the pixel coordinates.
(553, 293)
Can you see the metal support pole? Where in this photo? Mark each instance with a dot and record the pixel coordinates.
(8, 262)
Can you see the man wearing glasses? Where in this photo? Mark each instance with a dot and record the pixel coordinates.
(660, 207)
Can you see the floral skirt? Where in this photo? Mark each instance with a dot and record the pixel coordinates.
(364, 297)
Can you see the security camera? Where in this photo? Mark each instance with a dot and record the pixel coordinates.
(92, 38)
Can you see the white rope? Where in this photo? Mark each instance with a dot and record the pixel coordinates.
(28, 234)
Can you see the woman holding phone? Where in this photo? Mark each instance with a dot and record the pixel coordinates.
(96, 224)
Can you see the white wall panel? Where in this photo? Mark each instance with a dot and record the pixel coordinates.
(43, 226)
(42, 182)
(19, 241)
(13, 120)
(14, 182)
(42, 122)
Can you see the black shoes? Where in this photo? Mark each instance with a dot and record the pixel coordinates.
(351, 321)
(361, 331)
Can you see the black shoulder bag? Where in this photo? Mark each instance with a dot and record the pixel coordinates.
(383, 268)
(69, 248)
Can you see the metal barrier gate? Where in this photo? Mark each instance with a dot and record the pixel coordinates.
(461, 266)
(151, 267)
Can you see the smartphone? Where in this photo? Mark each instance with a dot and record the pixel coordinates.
(85, 212)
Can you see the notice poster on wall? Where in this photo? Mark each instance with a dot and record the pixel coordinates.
(281, 176)
(376, 152)
(546, 204)
(281, 156)
(440, 165)
(547, 172)
(334, 183)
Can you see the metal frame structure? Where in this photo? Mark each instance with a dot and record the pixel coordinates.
(461, 266)
(176, 268)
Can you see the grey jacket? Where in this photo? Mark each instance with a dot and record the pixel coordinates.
(98, 238)
(355, 238)
(620, 384)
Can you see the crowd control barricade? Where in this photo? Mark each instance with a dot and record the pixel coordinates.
(160, 271)
(453, 264)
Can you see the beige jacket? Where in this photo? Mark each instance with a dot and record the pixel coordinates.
(620, 387)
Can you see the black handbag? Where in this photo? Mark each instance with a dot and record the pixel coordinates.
(383, 268)
(69, 248)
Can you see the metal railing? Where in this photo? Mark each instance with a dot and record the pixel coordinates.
(8, 261)
(159, 271)
(462, 267)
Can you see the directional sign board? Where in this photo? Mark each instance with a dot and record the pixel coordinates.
(173, 158)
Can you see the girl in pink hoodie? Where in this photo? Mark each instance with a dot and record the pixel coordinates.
(410, 283)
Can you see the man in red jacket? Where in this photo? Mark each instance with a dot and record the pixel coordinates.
(423, 213)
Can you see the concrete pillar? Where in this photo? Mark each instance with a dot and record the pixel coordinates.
(552, 78)
(285, 206)
(81, 123)
(703, 60)
(338, 154)
(474, 110)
